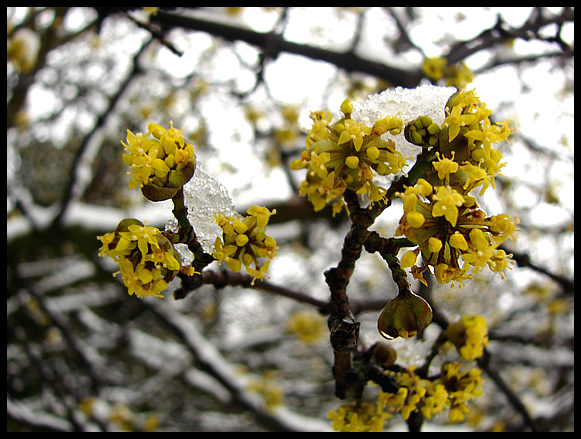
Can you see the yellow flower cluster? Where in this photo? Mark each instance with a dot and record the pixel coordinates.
(461, 388)
(347, 155)
(452, 389)
(440, 215)
(415, 393)
(245, 240)
(307, 326)
(448, 225)
(272, 393)
(359, 416)
(469, 335)
(433, 67)
(146, 258)
(456, 75)
(467, 137)
(287, 134)
(165, 161)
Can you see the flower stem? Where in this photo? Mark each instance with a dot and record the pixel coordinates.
(180, 210)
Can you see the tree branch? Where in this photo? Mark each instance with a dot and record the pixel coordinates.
(72, 191)
(230, 278)
(484, 364)
(524, 260)
(273, 44)
(212, 361)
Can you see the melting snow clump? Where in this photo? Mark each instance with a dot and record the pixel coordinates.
(204, 197)
(407, 104)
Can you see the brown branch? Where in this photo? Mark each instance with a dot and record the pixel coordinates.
(502, 32)
(273, 44)
(159, 36)
(484, 364)
(388, 249)
(230, 278)
(524, 260)
(70, 195)
(342, 325)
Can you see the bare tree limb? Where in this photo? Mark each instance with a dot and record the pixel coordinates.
(273, 44)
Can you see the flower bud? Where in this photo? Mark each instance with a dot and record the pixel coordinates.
(156, 193)
(455, 99)
(124, 224)
(347, 107)
(404, 316)
(176, 179)
(422, 132)
(162, 165)
(384, 355)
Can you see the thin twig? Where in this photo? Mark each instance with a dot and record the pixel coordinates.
(484, 364)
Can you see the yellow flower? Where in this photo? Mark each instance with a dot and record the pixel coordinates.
(457, 119)
(445, 167)
(488, 134)
(106, 239)
(477, 176)
(144, 236)
(453, 388)
(445, 273)
(143, 159)
(448, 201)
(433, 68)
(306, 326)
(436, 402)
(359, 416)
(244, 240)
(160, 166)
(469, 335)
(163, 258)
(140, 280)
(469, 141)
(504, 227)
(480, 251)
(411, 394)
(450, 228)
(461, 387)
(319, 130)
(169, 139)
(347, 156)
(354, 132)
(146, 258)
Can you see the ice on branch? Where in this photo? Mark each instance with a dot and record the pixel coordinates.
(204, 197)
(408, 104)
